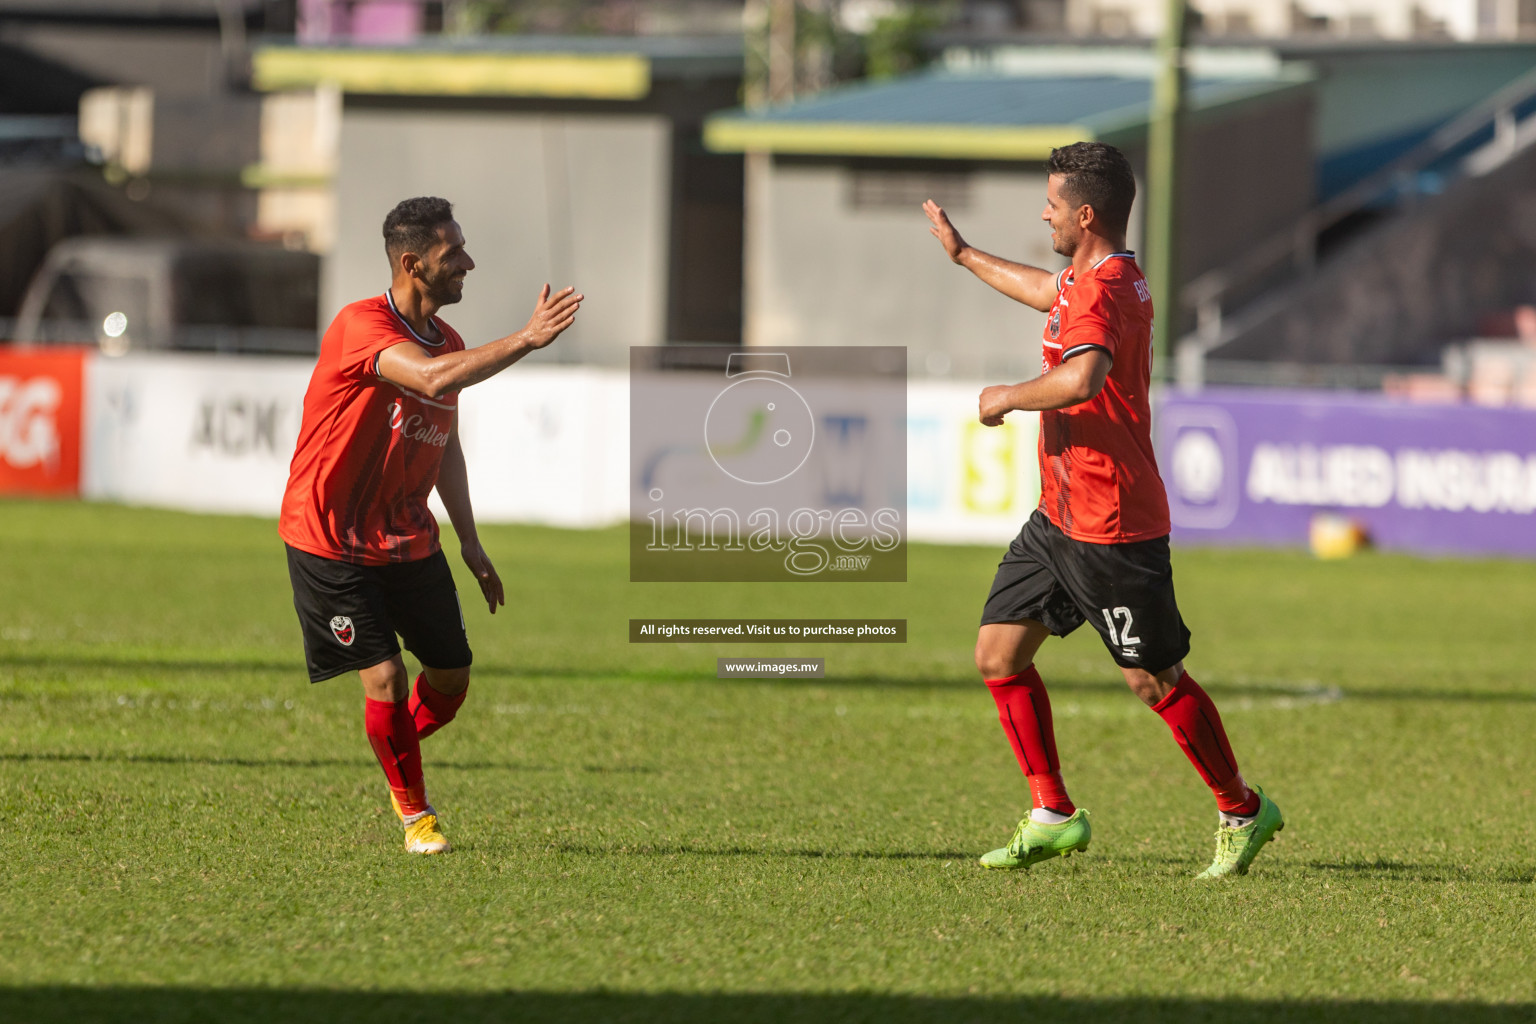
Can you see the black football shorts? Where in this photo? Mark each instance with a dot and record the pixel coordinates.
(351, 613)
(1124, 590)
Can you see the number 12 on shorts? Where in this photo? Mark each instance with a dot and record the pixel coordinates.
(1120, 635)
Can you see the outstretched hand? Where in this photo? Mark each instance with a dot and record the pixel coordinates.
(552, 314)
(943, 230)
(485, 573)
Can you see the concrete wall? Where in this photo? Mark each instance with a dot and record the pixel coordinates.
(566, 198)
(1246, 178)
(827, 267)
(838, 250)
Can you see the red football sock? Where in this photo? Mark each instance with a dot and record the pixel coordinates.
(431, 709)
(1024, 708)
(1196, 724)
(392, 732)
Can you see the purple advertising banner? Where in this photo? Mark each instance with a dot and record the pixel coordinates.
(1254, 466)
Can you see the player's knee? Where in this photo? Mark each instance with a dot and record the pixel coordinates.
(1148, 687)
(450, 682)
(994, 663)
(386, 681)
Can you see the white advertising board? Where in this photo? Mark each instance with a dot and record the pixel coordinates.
(551, 445)
(547, 445)
(966, 483)
(544, 445)
(201, 433)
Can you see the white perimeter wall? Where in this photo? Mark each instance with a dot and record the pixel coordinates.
(544, 445)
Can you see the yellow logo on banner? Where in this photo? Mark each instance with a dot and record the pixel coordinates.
(991, 481)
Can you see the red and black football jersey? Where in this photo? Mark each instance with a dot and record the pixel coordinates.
(369, 450)
(1098, 475)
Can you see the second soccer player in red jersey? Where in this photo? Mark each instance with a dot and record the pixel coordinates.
(1096, 549)
(380, 431)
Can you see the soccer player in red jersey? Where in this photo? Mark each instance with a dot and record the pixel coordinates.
(1096, 549)
(380, 431)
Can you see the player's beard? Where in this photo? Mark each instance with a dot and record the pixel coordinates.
(445, 287)
(1064, 244)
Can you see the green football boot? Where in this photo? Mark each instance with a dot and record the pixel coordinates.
(1033, 842)
(1236, 847)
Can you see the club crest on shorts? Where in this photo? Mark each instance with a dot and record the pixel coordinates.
(1055, 324)
(341, 627)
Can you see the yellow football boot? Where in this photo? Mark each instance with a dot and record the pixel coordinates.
(423, 836)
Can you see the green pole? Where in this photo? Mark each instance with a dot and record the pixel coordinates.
(1162, 183)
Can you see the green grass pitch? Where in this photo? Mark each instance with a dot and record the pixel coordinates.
(189, 831)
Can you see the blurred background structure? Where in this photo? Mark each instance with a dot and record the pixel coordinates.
(831, 244)
(1357, 181)
(573, 136)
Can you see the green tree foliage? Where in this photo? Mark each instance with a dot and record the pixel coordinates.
(894, 46)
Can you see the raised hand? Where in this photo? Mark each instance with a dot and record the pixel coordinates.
(552, 314)
(943, 230)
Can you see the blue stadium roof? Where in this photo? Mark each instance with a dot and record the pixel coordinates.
(988, 116)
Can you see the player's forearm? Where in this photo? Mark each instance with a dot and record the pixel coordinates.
(1032, 286)
(453, 488)
(455, 371)
(460, 513)
(1071, 383)
(1062, 388)
(1043, 394)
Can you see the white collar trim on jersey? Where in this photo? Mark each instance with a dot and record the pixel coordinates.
(1126, 255)
(390, 298)
(1067, 276)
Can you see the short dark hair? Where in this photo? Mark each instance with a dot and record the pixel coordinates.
(1097, 175)
(412, 225)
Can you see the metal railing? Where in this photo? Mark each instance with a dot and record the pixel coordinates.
(1321, 376)
(1296, 247)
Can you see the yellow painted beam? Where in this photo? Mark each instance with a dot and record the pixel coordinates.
(976, 142)
(262, 176)
(605, 76)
